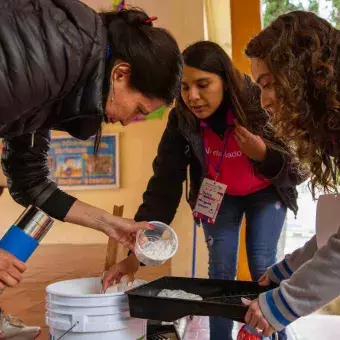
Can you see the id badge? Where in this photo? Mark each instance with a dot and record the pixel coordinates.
(209, 200)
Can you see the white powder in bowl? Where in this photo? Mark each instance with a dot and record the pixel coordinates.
(179, 294)
(159, 250)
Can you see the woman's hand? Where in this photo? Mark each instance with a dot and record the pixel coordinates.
(128, 266)
(11, 270)
(265, 280)
(124, 230)
(252, 146)
(256, 319)
(120, 229)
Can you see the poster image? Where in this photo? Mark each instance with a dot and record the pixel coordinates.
(73, 164)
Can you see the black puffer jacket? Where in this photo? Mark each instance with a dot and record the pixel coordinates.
(52, 61)
(181, 148)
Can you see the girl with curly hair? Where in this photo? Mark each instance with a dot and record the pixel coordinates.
(295, 62)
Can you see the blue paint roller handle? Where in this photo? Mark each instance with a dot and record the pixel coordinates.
(19, 244)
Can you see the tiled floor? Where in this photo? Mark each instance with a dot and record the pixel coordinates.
(198, 329)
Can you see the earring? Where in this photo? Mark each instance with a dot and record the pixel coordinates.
(111, 90)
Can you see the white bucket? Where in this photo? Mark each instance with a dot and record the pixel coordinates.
(75, 307)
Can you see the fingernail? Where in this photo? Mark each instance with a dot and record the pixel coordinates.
(151, 226)
(245, 301)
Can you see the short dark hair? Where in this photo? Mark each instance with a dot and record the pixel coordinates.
(152, 52)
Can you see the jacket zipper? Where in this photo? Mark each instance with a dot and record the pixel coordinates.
(192, 147)
(32, 139)
(186, 175)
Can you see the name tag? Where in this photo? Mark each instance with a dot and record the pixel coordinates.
(209, 200)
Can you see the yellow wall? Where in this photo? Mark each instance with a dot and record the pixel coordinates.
(218, 21)
(245, 23)
(137, 149)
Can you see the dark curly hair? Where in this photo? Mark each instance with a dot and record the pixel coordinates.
(301, 51)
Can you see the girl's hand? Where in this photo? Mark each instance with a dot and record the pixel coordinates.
(128, 266)
(265, 280)
(256, 319)
(252, 146)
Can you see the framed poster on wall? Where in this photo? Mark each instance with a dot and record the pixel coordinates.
(74, 166)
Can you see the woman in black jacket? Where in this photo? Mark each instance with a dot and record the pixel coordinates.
(65, 67)
(219, 130)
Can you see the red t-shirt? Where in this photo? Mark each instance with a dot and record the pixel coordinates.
(236, 170)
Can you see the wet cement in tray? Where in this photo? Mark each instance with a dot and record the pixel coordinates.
(179, 294)
(230, 299)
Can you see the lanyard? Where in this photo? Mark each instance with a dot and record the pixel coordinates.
(219, 166)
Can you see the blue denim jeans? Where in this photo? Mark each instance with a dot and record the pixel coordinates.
(265, 215)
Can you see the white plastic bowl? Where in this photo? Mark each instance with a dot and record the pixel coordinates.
(154, 247)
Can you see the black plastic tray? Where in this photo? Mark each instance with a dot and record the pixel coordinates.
(220, 298)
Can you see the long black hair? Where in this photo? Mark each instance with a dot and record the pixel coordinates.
(239, 91)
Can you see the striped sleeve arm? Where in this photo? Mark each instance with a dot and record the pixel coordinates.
(280, 271)
(284, 270)
(276, 309)
(312, 286)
